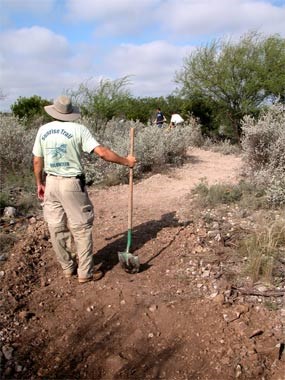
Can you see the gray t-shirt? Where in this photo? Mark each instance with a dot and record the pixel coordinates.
(61, 145)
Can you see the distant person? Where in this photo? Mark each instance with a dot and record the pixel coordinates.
(68, 210)
(175, 120)
(160, 118)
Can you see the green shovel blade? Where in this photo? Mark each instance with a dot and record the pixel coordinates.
(129, 262)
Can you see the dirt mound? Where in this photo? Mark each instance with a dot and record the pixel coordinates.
(179, 318)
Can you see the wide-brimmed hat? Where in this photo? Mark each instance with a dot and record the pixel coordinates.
(62, 109)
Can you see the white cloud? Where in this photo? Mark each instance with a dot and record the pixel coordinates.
(35, 42)
(189, 18)
(152, 65)
(86, 10)
(36, 61)
(113, 16)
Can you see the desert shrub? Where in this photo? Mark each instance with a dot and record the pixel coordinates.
(245, 193)
(264, 152)
(16, 177)
(154, 148)
(263, 140)
(16, 145)
(225, 147)
(210, 196)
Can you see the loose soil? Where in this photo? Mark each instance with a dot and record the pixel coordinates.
(179, 318)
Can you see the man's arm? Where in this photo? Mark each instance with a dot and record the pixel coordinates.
(108, 155)
(38, 172)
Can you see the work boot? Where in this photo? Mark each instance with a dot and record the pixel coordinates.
(97, 275)
(70, 272)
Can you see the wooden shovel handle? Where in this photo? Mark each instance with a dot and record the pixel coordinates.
(131, 186)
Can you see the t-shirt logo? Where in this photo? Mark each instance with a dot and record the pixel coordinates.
(58, 152)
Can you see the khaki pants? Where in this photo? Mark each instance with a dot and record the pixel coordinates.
(66, 204)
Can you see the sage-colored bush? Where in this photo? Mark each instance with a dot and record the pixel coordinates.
(16, 145)
(264, 152)
(154, 148)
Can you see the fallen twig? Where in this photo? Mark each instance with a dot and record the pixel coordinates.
(266, 293)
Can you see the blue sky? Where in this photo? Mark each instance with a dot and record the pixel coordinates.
(49, 46)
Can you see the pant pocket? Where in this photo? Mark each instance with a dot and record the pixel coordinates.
(88, 213)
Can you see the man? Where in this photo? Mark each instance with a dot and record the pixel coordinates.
(160, 119)
(57, 152)
(176, 120)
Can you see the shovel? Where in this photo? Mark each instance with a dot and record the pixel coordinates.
(129, 262)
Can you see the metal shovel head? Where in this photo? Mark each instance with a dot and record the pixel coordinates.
(129, 262)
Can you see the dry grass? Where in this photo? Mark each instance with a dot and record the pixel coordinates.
(263, 248)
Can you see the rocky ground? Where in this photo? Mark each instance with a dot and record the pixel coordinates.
(188, 314)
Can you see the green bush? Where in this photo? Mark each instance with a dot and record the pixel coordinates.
(28, 110)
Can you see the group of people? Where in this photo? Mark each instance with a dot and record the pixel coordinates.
(175, 119)
(60, 181)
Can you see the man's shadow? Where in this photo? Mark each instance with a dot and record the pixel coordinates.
(107, 257)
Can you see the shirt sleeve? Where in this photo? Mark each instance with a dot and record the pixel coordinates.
(89, 143)
(37, 149)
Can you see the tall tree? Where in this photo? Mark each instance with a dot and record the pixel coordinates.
(236, 78)
(107, 99)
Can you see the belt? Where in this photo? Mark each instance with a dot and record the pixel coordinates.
(78, 176)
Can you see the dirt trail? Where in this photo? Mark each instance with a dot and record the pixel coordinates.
(176, 319)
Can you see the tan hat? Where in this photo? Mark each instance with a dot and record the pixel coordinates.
(62, 109)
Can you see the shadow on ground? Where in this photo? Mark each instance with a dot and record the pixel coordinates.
(107, 257)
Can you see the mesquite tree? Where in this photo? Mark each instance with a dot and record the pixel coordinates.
(236, 78)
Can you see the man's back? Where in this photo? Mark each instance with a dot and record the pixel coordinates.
(61, 145)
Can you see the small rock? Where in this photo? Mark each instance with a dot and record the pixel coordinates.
(256, 333)
(150, 335)
(33, 220)
(213, 295)
(152, 308)
(238, 371)
(261, 288)
(18, 368)
(10, 212)
(114, 364)
(206, 273)
(7, 352)
(219, 299)
(23, 315)
(212, 234)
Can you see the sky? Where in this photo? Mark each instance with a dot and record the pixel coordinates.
(50, 46)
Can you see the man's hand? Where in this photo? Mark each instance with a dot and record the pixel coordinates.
(41, 191)
(131, 161)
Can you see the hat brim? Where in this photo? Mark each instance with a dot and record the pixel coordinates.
(74, 115)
